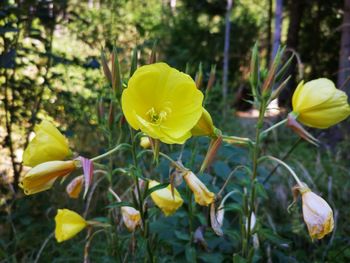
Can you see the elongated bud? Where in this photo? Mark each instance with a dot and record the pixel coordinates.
(212, 151)
(199, 76)
(117, 84)
(153, 56)
(105, 67)
(255, 71)
(74, 188)
(111, 115)
(134, 60)
(212, 77)
(100, 111)
(201, 193)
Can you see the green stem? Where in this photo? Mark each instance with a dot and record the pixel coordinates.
(263, 133)
(117, 148)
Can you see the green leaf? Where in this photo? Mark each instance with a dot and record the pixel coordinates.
(119, 204)
(117, 83)
(190, 253)
(134, 60)
(182, 235)
(238, 259)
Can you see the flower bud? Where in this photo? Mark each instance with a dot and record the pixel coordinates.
(48, 145)
(145, 142)
(164, 199)
(73, 189)
(318, 215)
(201, 193)
(43, 176)
(131, 217)
(319, 104)
(68, 224)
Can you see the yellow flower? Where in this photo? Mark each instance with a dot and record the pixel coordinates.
(201, 193)
(204, 126)
(73, 189)
(318, 215)
(145, 142)
(164, 199)
(43, 176)
(131, 217)
(68, 224)
(48, 145)
(319, 104)
(162, 102)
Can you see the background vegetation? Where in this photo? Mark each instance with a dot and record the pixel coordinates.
(50, 68)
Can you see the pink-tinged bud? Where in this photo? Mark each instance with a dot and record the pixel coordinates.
(73, 189)
(211, 80)
(111, 115)
(212, 151)
(298, 129)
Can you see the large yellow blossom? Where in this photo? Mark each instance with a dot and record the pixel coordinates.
(48, 145)
(43, 176)
(162, 102)
(164, 199)
(68, 224)
(319, 104)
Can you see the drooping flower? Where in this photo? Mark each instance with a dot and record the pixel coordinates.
(68, 224)
(319, 104)
(43, 176)
(162, 102)
(73, 189)
(131, 217)
(202, 195)
(164, 199)
(318, 215)
(205, 125)
(48, 145)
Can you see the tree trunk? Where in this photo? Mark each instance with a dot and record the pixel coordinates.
(278, 28)
(226, 53)
(296, 9)
(344, 55)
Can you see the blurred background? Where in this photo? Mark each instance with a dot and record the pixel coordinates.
(50, 68)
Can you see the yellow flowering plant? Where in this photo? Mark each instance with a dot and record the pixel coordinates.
(159, 106)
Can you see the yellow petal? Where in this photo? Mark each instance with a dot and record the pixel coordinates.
(68, 224)
(164, 199)
(131, 217)
(204, 126)
(48, 145)
(42, 176)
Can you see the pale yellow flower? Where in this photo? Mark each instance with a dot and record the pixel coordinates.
(202, 195)
(319, 104)
(68, 224)
(162, 102)
(164, 199)
(48, 145)
(145, 142)
(131, 217)
(318, 215)
(43, 176)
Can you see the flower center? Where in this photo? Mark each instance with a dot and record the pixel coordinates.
(157, 117)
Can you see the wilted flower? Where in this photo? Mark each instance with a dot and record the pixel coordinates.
(68, 224)
(145, 142)
(204, 126)
(48, 145)
(201, 193)
(164, 199)
(131, 217)
(162, 102)
(318, 215)
(73, 189)
(319, 104)
(43, 176)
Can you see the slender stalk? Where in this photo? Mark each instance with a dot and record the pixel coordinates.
(263, 133)
(117, 148)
